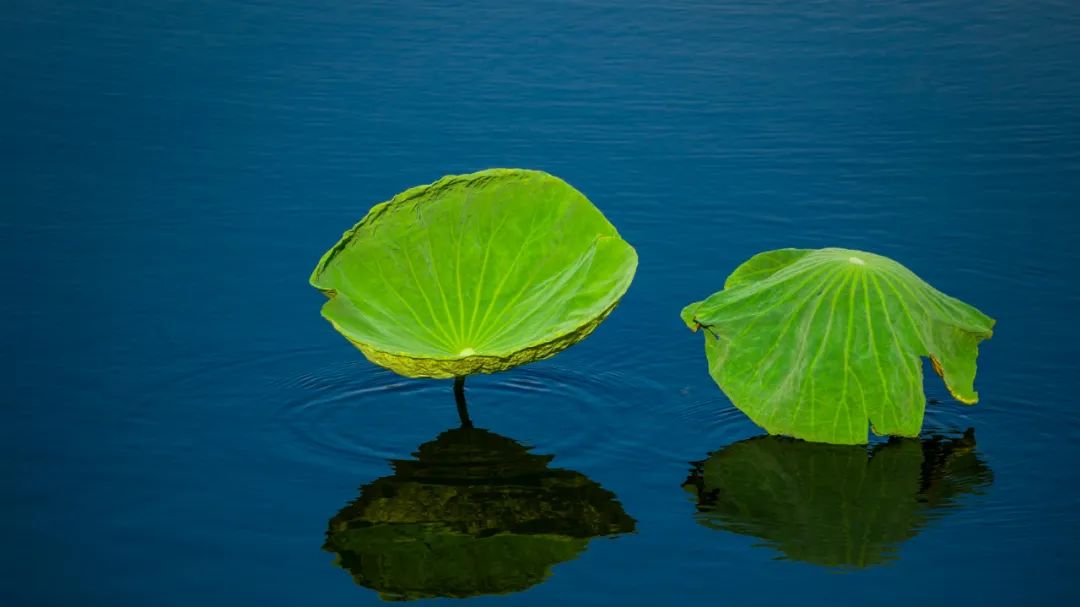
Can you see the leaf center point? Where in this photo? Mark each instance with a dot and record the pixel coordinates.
(856, 260)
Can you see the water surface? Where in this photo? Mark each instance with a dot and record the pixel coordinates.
(181, 427)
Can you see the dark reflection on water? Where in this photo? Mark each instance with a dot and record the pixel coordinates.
(835, 505)
(474, 513)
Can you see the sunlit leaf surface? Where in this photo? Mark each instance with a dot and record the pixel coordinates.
(475, 274)
(816, 344)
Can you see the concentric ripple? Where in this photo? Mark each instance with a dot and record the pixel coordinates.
(330, 408)
(352, 412)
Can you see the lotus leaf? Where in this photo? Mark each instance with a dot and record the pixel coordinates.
(817, 343)
(835, 505)
(475, 513)
(475, 274)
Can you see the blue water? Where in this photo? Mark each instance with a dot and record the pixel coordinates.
(179, 424)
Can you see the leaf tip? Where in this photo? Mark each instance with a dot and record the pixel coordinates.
(687, 316)
(966, 399)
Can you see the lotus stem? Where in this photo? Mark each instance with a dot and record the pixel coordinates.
(462, 406)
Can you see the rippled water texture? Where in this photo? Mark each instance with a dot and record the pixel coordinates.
(181, 427)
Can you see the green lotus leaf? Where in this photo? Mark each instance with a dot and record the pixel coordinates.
(835, 505)
(816, 344)
(475, 513)
(475, 274)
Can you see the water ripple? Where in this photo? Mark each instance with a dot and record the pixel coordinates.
(351, 412)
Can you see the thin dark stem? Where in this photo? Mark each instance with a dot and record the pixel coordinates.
(462, 407)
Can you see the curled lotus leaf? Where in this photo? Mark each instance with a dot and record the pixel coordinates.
(475, 273)
(817, 344)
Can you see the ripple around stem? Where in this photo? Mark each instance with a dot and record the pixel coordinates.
(326, 412)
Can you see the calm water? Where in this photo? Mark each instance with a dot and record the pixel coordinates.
(180, 426)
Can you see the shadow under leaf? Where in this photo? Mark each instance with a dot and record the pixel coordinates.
(474, 513)
(842, 506)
